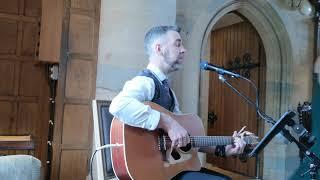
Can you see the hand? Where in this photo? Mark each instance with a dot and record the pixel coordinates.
(239, 144)
(178, 135)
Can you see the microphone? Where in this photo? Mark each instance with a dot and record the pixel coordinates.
(204, 65)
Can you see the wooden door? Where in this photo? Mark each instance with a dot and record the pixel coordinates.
(24, 92)
(239, 44)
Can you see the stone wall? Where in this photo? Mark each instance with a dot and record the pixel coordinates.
(122, 29)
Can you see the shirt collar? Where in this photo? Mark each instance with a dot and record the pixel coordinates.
(156, 71)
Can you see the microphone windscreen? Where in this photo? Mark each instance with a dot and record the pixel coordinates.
(203, 65)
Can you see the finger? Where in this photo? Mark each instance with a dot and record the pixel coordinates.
(181, 142)
(248, 132)
(186, 140)
(174, 143)
(234, 134)
(252, 135)
(241, 144)
(242, 148)
(179, 145)
(242, 129)
(242, 135)
(236, 149)
(256, 137)
(238, 141)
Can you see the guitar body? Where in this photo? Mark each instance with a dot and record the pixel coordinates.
(140, 158)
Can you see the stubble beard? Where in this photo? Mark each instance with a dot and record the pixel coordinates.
(174, 66)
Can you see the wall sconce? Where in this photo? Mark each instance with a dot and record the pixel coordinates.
(304, 6)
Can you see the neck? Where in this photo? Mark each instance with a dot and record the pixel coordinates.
(157, 61)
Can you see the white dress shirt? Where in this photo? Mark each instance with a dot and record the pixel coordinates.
(128, 105)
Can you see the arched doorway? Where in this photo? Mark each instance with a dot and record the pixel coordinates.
(279, 58)
(235, 45)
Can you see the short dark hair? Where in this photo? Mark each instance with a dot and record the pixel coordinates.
(156, 32)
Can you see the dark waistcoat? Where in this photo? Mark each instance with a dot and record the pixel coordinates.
(163, 95)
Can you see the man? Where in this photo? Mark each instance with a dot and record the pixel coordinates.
(163, 45)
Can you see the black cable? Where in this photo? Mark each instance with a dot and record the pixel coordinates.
(263, 115)
(91, 162)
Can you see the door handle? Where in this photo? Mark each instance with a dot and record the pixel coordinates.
(212, 117)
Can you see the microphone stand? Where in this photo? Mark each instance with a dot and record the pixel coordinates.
(267, 118)
(314, 165)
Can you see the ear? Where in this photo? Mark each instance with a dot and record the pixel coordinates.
(158, 49)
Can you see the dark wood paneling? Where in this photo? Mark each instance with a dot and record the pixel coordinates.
(81, 34)
(28, 117)
(74, 165)
(30, 73)
(82, 4)
(7, 119)
(32, 8)
(76, 119)
(7, 70)
(8, 36)
(30, 39)
(79, 79)
(24, 91)
(11, 6)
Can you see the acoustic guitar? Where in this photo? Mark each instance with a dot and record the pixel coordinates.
(148, 154)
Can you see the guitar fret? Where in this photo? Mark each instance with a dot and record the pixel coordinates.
(204, 141)
(201, 141)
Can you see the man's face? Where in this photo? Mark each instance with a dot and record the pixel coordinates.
(173, 51)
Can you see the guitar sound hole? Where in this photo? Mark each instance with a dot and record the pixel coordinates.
(175, 155)
(187, 148)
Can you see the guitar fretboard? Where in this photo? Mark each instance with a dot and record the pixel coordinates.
(204, 141)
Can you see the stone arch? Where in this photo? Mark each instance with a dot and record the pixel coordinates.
(277, 46)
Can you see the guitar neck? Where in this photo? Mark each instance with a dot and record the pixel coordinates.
(204, 141)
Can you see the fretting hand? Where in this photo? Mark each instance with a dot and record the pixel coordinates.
(239, 143)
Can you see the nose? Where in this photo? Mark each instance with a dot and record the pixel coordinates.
(183, 50)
